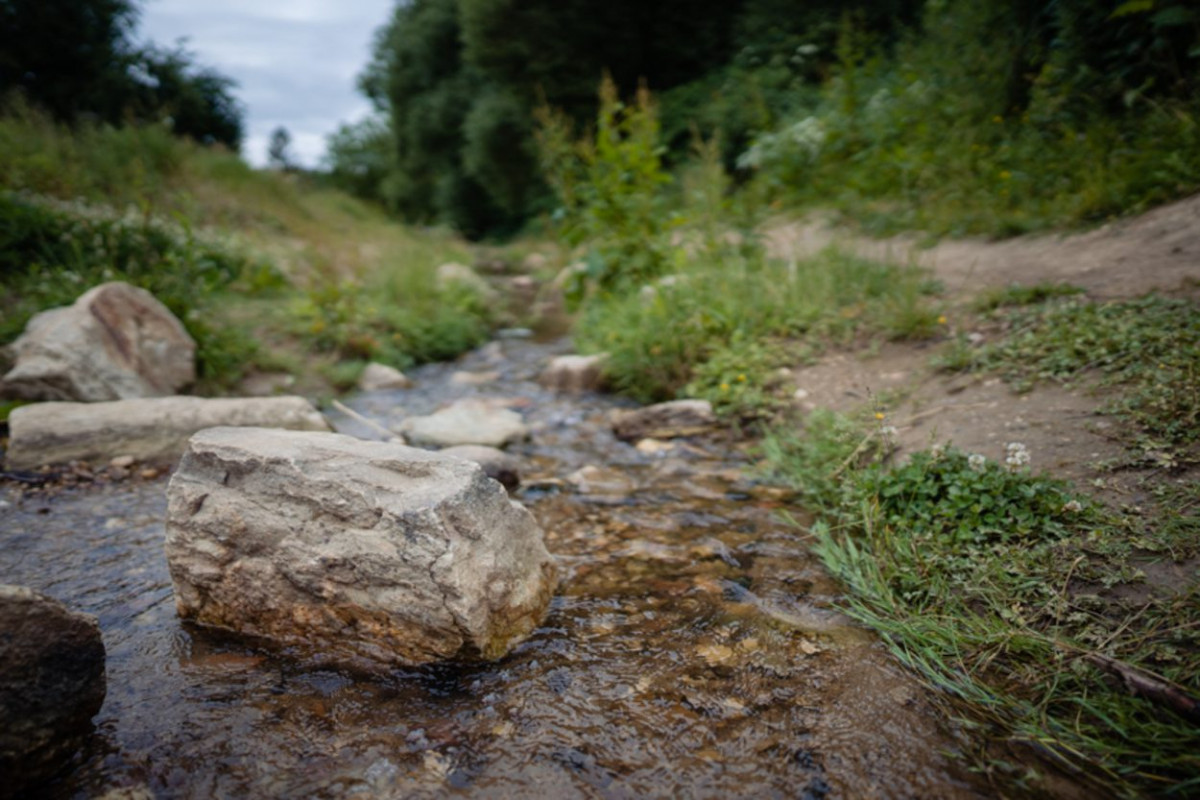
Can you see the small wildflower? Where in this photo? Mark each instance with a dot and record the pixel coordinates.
(888, 431)
(938, 450)
(879, 415)
(942, 319)
(1074, 506)
(1005, 175)
(976, 462)
(1016, 455)
(724, 387)
(741, 378)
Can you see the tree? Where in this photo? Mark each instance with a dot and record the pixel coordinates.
(279, 149)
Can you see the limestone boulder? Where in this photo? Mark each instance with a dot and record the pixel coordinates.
(150, 429)
(380, 377)
(574, 373)
(51, 685)
(366, 554)
(496, 464)
(665, 420)
(470, 421)
(115, 342)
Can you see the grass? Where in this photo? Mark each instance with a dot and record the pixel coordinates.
(999, 588)
(1026, 604)
(267, 270)
(1147, 350)
(720, 327)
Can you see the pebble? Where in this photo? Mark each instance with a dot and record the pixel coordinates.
(121, 462)
(149, 473)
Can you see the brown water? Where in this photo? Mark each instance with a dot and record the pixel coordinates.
(692, 650)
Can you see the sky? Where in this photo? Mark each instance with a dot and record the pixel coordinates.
(295, 61)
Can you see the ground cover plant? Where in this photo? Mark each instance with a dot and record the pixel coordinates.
(1024, 602)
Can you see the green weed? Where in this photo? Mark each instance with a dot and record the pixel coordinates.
(996, 586)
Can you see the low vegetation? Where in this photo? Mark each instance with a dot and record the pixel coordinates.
(1025, 603)
(267, 270)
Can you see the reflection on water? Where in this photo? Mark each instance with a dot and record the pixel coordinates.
(690, 652)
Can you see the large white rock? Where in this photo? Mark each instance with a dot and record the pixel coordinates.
(115, 342)
(51, 685)
(151, 429)
(470, 421)
(362, 553)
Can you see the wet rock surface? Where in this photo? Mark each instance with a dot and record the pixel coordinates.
(665, 420)
(51, 685)
(149, 429)
(369, 554)
(693, 648)
(115, 342)
(469, 421)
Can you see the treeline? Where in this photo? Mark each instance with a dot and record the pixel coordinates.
(78, 61)
(455, 82)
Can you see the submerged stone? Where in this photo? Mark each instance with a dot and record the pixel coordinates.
(372, 554)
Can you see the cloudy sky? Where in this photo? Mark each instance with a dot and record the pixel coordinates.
(294, 60)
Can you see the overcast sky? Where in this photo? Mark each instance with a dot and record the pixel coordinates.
(295, 61)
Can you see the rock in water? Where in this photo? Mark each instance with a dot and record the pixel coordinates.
(371, 554)
(377, 377)
(469, 421)
(665, 420)
(575, 373)
(51, 685)
(115, 342)
(150, 429)
(497, 464)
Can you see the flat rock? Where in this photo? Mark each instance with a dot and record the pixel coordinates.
(600, 480)
(115, 342)
(496, 464)
(378, 377)
(465, 422)
(51, 685)
(151, 429)
(575, 373)
(665, 420)
(367, 554)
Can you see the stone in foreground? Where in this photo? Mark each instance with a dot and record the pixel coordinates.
(51, 685)
(465, 422)
(150, 429)
(665, 420)
(115, 342)
(367, 554)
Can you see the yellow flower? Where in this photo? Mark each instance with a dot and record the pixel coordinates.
(742, 378)
(1005, 175)
(724, 387)
(879, 415)
(942, 319)
(997, 119)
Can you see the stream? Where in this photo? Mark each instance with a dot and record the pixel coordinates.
(692, 650)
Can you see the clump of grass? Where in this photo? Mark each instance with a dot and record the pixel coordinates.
(1018, 295)
(993, 584)
(1149, 349)
(706, 331)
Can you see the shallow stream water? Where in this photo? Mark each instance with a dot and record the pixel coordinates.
(692, 650)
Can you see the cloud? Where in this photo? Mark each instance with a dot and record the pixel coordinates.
(295, 61)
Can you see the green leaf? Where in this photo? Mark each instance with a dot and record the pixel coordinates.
(1132, 7)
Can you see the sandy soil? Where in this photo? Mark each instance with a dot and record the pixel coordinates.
(1159, 251)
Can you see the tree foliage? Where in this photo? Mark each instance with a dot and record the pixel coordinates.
(77, 59)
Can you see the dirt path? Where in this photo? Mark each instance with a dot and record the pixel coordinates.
(1158, 251)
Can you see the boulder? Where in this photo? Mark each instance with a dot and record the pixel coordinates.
(465, 422)
(380, 377)
(496, 464)
(51, 685)
(453, 274)
(575, 373)
(665, 420)
(365, 554)
(151, 429)
(115, 342)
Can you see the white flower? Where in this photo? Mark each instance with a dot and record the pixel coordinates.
(888, 430)
(1073, 506)
(1016, 455)
(976, 462)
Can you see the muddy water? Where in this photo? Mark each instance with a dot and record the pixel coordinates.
(692, 650)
